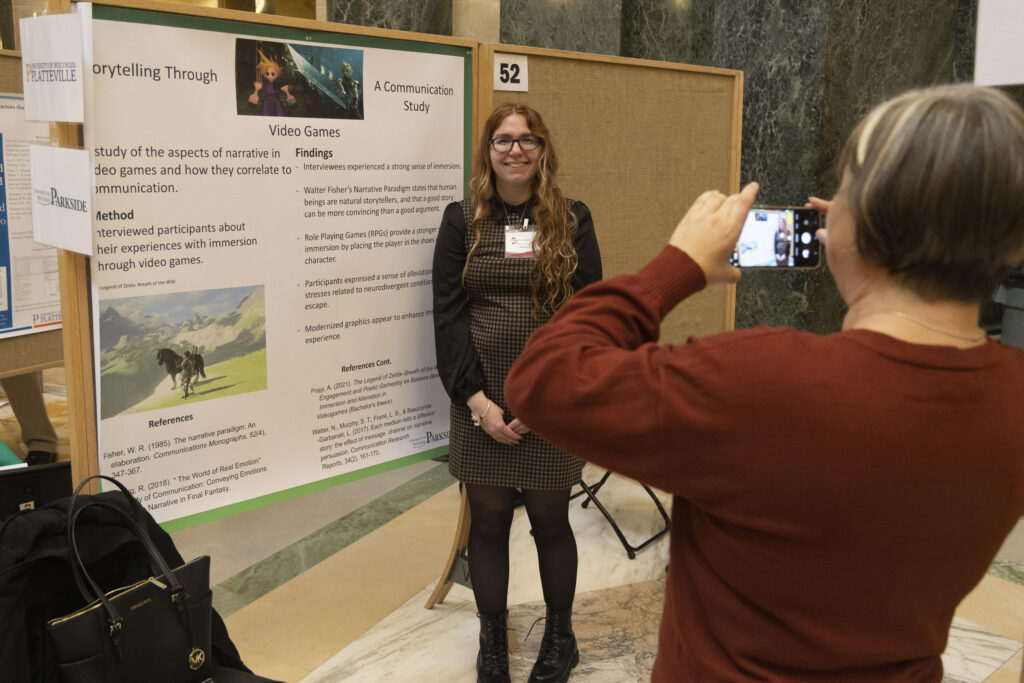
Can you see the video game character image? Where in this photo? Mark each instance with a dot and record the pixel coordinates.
(349, 87)
(267, 72)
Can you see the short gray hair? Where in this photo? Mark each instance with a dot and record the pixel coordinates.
(937, 189)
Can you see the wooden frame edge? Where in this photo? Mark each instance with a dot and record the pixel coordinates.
(287, 22)
(734, 182)
(608, 59)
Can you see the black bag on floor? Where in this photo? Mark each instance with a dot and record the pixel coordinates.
(156, 629)
(37, 582)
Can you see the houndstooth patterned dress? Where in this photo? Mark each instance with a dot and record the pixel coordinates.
(500, 322)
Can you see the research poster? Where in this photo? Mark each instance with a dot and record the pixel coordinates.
(29, 286)
(265, 206)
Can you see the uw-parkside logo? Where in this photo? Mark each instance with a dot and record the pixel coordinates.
(430, 438)
(51, 72)
(54, 198)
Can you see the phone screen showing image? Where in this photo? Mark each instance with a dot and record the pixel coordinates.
(778, 237)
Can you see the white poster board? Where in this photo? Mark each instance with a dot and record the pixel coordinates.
(281, 227)
(29, 285)
(999, 55)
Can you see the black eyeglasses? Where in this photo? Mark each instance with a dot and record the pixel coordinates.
(527, 143)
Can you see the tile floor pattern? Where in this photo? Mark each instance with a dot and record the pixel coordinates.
(331, 586)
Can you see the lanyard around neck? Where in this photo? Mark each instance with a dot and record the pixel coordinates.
(508, 219)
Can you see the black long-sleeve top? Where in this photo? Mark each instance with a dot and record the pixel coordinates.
(457, 360)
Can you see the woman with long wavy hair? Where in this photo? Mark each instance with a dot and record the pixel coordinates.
(505, 260)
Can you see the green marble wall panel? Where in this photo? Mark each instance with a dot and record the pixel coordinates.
(591, 26)
(424, 16)
(876, 50)
(811, 70)
(781, 48)
(665, 30)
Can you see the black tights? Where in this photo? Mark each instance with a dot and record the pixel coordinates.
(490, 522)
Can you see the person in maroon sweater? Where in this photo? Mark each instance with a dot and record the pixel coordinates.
(835, 543)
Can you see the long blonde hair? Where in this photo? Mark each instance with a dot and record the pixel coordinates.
(556, 261)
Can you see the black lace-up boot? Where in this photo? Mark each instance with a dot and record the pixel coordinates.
(492, 662)
(558, 651)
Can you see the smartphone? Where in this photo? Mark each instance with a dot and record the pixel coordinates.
(779, 237)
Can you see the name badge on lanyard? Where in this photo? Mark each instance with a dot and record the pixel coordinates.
(519, 241)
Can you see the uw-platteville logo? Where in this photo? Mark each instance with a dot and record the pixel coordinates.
(54, 198)
(429, 438)
(51, 72)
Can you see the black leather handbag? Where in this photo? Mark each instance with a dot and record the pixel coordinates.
(155, 630)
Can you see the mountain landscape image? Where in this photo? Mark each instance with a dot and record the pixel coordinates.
(227, 327)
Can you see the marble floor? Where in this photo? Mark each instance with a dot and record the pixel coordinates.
(612, 592)
(617, 613)
(332, 586)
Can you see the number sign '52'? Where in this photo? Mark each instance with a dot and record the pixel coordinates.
(510, 72)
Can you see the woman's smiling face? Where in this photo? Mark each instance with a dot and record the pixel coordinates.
(514, 168)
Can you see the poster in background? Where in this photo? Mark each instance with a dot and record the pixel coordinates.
(29, 285)
(51, 58)
(265, 213)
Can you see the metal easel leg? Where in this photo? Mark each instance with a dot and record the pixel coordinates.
(591, 494)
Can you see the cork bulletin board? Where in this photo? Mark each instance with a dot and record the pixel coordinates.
(637, 141)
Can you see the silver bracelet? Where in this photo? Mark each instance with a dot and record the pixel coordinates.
(479, 419)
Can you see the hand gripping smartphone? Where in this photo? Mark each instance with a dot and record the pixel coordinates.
(779, 237)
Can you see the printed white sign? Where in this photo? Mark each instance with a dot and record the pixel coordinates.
(510, 72)
(60, 198)
(51, 57)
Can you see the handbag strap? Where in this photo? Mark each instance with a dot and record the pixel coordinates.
(136, 506)
(164, 569)
(137, 512)
(114, 619)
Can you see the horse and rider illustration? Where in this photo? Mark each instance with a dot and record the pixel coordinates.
(189, 365)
